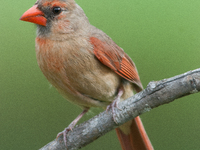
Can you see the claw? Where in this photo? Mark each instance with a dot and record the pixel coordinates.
(64, 133)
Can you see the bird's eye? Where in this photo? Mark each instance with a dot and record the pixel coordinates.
(56, 10)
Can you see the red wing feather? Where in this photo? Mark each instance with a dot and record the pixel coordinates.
(115, 58)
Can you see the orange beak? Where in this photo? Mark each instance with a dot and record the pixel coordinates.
(34, 15)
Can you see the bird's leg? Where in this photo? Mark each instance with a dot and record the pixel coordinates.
(71, 126)
(115, 103)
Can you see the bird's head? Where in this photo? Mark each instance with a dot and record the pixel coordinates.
(56, 16)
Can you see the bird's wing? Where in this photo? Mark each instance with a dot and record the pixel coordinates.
(116, 59)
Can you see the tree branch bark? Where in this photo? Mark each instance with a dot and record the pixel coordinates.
(157, 93)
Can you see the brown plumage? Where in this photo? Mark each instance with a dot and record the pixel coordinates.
(85, 65)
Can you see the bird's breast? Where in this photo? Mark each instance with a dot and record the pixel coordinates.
(72, 67)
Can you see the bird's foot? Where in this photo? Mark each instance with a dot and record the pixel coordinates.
(64, 133)
(71, 126)
(114, 104)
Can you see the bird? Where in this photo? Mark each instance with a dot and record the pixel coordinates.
(85, 65)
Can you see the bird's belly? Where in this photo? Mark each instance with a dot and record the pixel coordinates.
(93, 79)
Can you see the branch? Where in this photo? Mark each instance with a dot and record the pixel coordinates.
(157, 93)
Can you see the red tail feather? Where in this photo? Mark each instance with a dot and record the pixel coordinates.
(137, 139)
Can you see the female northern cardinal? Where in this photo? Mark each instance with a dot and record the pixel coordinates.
(85, 65)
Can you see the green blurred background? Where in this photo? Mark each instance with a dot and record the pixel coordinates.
(163, 39)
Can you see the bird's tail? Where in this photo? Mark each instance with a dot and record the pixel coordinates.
(135, 137)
